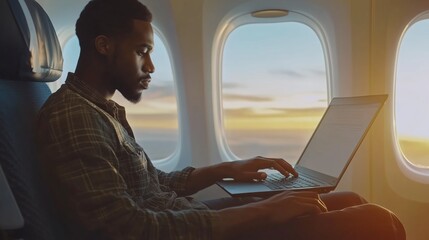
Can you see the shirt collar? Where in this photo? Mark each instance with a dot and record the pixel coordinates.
(86, 91)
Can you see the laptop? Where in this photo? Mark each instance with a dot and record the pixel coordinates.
(327, 154)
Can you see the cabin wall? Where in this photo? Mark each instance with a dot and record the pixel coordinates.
(393, 185)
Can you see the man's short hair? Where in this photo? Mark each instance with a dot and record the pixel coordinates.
(110, 18)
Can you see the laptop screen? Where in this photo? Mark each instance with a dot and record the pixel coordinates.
(339, 134)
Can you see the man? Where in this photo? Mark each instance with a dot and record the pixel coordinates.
(106, 187)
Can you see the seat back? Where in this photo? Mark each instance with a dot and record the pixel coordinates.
(30, 56)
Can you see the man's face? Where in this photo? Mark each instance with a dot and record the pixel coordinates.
(130, 65)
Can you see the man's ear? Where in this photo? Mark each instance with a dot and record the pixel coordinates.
(103, 45)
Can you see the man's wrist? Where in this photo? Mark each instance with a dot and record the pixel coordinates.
(203, 177)
(221, 170)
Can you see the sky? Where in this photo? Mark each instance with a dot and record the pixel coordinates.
(412, 83)
(273, 77)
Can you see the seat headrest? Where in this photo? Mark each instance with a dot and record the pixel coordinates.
(29, 47)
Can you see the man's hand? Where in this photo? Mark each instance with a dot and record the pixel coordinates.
(292, 204)
(247, 170)
(274, 211)
(241, 170)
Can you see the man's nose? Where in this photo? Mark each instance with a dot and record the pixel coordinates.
(148, 66)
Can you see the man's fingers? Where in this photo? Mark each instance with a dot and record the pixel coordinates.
(287, 166)
(303, 194)
(259, 162)
(310, 204)
(307, 197)
(280, 165)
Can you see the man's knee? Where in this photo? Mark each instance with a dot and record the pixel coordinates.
(382, 223)
(365, 221)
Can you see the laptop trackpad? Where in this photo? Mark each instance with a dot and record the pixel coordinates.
(244, 187)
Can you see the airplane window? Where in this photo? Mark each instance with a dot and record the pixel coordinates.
(412, 94)
(154, 119)
(274, 89)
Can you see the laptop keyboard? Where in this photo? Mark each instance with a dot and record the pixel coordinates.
(277, 181)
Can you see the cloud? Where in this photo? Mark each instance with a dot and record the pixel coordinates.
(153, 121)
(301, 112)
(237, 97)
(151, 117)
(227, 85)
(298, 74)
(157, 91)
(318, 72)
(287, 73)
(238, 113)
(274, 113)
(243, 118)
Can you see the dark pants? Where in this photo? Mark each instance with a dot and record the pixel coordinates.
(349, 217)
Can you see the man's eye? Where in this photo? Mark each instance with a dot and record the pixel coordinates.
(143, 51)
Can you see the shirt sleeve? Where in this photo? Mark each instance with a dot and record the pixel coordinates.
(176, 181)
(78, 149)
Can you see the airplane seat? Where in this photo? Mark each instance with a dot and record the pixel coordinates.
(30, 56)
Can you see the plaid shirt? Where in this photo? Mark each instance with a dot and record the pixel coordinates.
(103, 182)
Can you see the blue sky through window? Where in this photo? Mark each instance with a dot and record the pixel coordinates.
(412, 94)
(274, 89)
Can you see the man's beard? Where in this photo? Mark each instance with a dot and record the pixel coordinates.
(131, 97)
